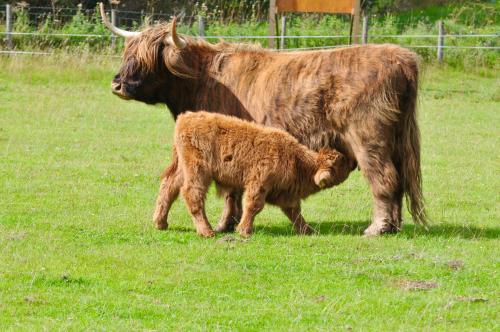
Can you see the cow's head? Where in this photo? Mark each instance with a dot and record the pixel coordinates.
(333, 168)
(151, 58)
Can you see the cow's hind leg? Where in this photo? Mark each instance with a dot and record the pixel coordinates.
(397, 205)
(232, 211)
(171, 183)
(382, 176)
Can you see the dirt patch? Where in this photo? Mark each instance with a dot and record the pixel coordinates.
(30, 299)
(230, 239)
(321, 298)
(465, 299)
(472, 299)
(16, 236)
(417, 285)
(455, 264)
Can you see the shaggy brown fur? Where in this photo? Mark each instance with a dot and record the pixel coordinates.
(359, 100)
(268, 164)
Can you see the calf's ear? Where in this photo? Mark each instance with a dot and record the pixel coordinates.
(323, 178)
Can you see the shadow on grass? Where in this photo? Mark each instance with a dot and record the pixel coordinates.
(409, 230)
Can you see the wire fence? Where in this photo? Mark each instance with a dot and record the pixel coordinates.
(24, 42)
(260, 36)
(125, 18)
(256, 37)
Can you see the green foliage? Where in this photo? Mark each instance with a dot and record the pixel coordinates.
(79, 172)
(467, 18)
(49, 34)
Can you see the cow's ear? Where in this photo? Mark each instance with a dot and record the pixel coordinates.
(323, 178)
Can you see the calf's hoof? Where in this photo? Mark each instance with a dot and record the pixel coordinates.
(161, 226)
(160, 218)
(224, 227)
(160, 222)
(245, 232)
(206, 233)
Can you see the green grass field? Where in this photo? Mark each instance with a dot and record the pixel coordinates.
(79, 173)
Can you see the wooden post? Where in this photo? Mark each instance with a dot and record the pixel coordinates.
(283, 31)
(365, 30)
(355, 25)
(272, 22)
(113, 21)
(201, 26)
(8, 26)
(440, 41)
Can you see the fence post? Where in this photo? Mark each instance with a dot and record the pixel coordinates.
(272, 22)
(440, 45)
(355, 23)
(8, 26)
(283, 31)
(364, 36)
(113, 21)
(201, 26)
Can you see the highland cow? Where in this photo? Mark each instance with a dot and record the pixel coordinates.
(359, 100)
(268, 164)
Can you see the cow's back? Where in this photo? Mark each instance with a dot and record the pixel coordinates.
(313, 95)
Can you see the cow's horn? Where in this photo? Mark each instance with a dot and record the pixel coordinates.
(175, 39)
(115, 30)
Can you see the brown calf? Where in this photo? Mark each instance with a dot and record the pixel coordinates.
(269, 164)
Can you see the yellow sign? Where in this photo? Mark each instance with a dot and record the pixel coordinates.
(316, 6)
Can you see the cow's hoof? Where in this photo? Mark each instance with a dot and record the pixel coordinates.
(377, 229)
(394, 229)
(306, 230)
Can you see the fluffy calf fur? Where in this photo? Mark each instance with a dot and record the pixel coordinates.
(269, 164)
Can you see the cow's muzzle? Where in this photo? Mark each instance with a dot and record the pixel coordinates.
(117, 89)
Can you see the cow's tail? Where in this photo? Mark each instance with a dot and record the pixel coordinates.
(410, 147)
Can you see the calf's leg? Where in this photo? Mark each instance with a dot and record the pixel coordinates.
(171, 183)
(232, 212)
(194, 193)
(299, 224)
(254, 203)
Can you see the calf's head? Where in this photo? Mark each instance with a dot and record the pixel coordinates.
(333, 168)
(152, 58)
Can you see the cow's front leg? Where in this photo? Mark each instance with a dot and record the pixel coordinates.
(299, 224)
(232, 211)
